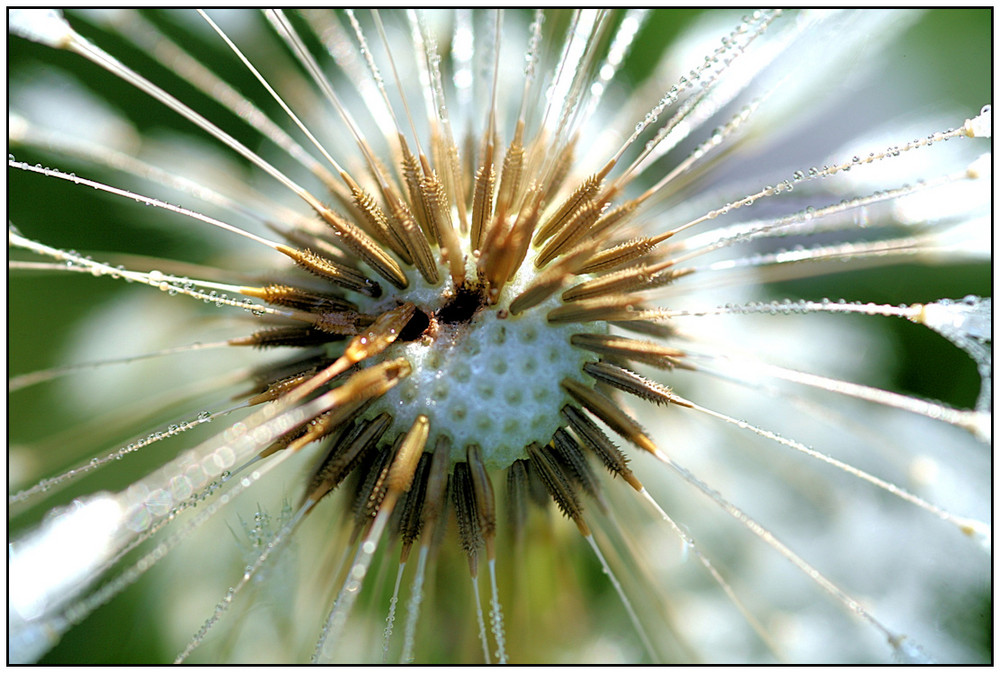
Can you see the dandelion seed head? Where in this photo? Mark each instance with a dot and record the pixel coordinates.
(474, 312)
(487, 380)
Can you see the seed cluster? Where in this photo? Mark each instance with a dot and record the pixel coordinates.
(490, 379)
(484, 301)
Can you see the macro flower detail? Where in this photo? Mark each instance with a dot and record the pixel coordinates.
(456, 267)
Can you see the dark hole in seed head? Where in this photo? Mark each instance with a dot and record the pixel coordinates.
(413, 329)
(466, 302)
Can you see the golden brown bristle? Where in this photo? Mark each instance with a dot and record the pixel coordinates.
(558, 484)
(609, 413)
(647, 352)
(594, 439)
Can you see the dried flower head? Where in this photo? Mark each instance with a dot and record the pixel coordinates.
(450, 268)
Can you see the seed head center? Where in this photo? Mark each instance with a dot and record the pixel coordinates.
(485, 377)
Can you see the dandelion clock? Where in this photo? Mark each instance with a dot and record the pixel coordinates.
(500, 336)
